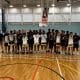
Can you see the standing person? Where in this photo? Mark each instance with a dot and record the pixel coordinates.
(6, 42)
(70, 44)
(63, 42)
(47, 40)
(30, 41)
(36, 39)
(1, 41)
(66, 41)
(19, 41)
(76, 39)
(39, 41)
(24, 42)
(43, 41)
(58, 42)
(11, 41)
(51, 42)
(15, 41)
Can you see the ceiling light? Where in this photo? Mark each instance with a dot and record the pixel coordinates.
(38, 5)
(24, 6)
(53, 5)
(68, 4)
(11, 6)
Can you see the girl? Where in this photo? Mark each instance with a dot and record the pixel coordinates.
(51, 42)
(24, 42)
(43, 42)
(58, 42)
(70, 44)
(6, 41)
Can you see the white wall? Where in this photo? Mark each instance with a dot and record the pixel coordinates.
(56, 14)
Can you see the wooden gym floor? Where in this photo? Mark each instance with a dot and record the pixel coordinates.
(39, 66)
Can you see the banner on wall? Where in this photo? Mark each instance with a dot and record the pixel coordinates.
(44, 22)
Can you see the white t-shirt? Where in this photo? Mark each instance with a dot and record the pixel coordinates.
(58, 39)
(6, 39)
(15, 36)
(25, 40)
(70, 40)
(11, 37)
(43, 36)
(36, 38)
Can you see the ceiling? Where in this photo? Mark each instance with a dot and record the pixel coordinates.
(33, 3)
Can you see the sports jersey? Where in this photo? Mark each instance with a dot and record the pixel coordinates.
(58, 39)
(70, 40)
(25, 40)
(43, 37)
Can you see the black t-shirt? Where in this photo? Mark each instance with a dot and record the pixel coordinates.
(76, 39)
(62, 38)
(19, 37)
(30, 38)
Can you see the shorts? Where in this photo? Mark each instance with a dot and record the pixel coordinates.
(1, 42)
(58, 44)
(70, 45)
(63, 44)
(75, 46)
(11, 42)
(24, 45)
(5, 44)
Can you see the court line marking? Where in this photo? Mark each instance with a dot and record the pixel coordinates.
(7, 78)
(41, 57)
(35, 72)
(49, 59)
(59, 67)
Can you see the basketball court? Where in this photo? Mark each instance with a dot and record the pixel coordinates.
(35, 15)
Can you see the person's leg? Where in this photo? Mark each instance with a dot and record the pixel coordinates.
(55, 48)
(13, 47)
(34, 47)
(5, 48)
(59, 49)
(8, 48)
(31, 47)
(18, 47)
(38, 46)
(21, 46)
(72, 50)
(1, 44)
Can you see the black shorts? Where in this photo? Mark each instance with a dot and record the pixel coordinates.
(51, 44)
(5, 44)
(63, 44)
(1, 42)
(11, 42)
(75, 45)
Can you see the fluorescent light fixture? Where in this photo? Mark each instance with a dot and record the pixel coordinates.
(11, 6)
(53, 5)
(38, 5)
(68, 4)
(24, 6)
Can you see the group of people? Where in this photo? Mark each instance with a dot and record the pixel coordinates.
(53, 41)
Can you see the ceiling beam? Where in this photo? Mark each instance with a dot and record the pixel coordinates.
(8, 2)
